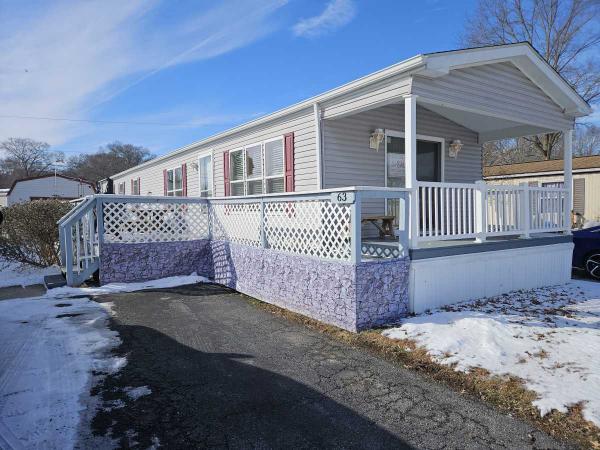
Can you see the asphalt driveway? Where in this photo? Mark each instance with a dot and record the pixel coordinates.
(224, 373)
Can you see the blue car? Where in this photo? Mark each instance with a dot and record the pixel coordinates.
(586, 254)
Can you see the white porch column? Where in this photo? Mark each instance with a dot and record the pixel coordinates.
(568, 176)
(410, 163)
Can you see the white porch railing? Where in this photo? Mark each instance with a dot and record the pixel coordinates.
(448, 211)
(324, 224)
(78, 240)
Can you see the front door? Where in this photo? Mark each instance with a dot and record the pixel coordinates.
(429, 161)
(429, 167)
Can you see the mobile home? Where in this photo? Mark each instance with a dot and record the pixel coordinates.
(356, 206)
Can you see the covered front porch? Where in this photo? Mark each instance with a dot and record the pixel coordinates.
(428, 137)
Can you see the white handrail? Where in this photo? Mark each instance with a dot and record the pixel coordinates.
(463, 211)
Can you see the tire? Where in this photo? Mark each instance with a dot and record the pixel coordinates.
(592, 265)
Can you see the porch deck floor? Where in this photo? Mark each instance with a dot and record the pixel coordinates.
(458, 246)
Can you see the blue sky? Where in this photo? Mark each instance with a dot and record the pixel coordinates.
(183, 70)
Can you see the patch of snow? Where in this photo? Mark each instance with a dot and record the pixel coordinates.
(114, 404)
(115, 288)
(16, 274)
(137, 392)
(48, 358)
(548, 337)
(109, 307)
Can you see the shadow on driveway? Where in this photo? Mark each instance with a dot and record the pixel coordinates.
(223, 373)
(222, 400)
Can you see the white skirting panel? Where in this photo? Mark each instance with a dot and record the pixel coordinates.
(435, 282)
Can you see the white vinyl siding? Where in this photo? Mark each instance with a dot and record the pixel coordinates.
(348, 160)
(46, 187)
(499, 89)
(305, 162)
(385, 92)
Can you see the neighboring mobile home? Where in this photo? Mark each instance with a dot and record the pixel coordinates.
(358, 205)
(586, 180)
(47, 187)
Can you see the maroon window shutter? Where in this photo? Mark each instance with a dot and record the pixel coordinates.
(184, 178)
(226, 173)
(288, 140)
(139, 186)
(165, 181)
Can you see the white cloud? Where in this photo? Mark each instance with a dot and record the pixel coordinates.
(64, 58)
(337, 13)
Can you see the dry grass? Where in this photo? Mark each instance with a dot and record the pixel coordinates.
(506, 393)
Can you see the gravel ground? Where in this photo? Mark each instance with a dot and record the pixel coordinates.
(212, 370)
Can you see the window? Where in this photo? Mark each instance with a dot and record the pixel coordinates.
(257, 168)
(274, 166)
(554, 184)
(135, 187)
(175, 182)
(236, 164)
(206, 177)
(121, 188)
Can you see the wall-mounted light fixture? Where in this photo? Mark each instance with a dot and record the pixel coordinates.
(195, 166)
(454, 148)
(377, 138)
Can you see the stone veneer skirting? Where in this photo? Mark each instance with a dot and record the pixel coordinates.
(351, 296)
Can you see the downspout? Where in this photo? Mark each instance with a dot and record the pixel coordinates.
(318, 141)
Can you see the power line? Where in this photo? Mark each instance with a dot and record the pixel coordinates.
(112, 122)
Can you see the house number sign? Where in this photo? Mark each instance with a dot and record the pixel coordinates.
(342, 197)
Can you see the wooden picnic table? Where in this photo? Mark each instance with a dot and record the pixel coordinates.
(386, 228)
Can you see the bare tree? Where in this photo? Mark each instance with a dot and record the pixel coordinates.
(508, 151)
(24, 158)
(587, 140)
(114, 158)
(565, 32)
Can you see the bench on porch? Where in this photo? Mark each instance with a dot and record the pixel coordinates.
(386, 228)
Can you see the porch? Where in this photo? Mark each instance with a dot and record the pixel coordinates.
(308, 252)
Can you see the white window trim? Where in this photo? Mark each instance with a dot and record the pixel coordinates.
(174, 190)
(212, 174)
(263, 177)
(124, 184)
